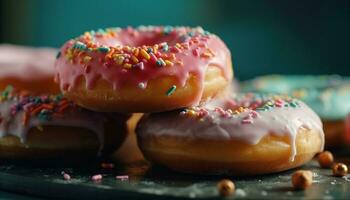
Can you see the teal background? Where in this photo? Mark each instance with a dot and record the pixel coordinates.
(271, 36)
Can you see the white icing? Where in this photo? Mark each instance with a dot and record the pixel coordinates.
(284, 121)
(25, 62)
(13, 124)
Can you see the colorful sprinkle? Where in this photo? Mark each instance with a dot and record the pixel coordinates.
(79, 45)
(248, 106)
(247, 121)
(153, 58)
(119, 60)
(171, 90)
(165, 47)
(127, 66)
(122, 177)
(96, 177)
(66, 176)
(145, 54)
(168, 63)
(140, 65)
(206, 55)
(160, 62)
(103, 49)
(134, 59)
(195, 52)
(87, 59)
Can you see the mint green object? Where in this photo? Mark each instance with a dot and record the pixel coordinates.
(327, 95)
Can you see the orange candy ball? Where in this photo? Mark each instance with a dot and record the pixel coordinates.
(340, 170)
(302, 179)
(226, 187)
(325, 159)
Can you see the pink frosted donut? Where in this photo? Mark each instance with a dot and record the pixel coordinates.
(244, 135)
(27, 68)
(146, 69)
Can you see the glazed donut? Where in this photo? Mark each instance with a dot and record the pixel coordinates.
(147, 69)
(327, 95)
(244, 135)
(36, 127)
(28, 68)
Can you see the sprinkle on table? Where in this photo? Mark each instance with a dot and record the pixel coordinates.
(122, 177)
(107, 165)
(66, 176)
(97, 177)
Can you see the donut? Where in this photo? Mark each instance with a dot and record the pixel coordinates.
(144, 69)
(28, 68)
(242, 135)
(52, 127)
(327, 95)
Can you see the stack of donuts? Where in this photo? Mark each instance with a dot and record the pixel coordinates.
(180, 78)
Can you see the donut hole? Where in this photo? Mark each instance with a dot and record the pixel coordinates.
(151, 40)
(140, 39)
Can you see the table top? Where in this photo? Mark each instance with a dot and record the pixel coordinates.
(11, 196)
(158, 183)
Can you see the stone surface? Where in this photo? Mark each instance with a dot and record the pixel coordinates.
(159, 183)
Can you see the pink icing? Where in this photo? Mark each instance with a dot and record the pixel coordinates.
(26, 62)
(190, 51)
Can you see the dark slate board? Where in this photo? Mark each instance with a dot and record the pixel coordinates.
(158, 183)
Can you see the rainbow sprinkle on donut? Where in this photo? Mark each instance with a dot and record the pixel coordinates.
(249, 103)
(43, 107)
(128, 57)
(136, 55)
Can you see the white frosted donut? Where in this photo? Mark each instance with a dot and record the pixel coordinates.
(52, 127)
(244, 135)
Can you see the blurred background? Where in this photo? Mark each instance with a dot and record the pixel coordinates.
(270, 36)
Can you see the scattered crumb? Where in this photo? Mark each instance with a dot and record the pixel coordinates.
(327, 197)
(107, 165)
(122, 177)
(192, 195)
(96, 177)
(240, 193)
(346, 178)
